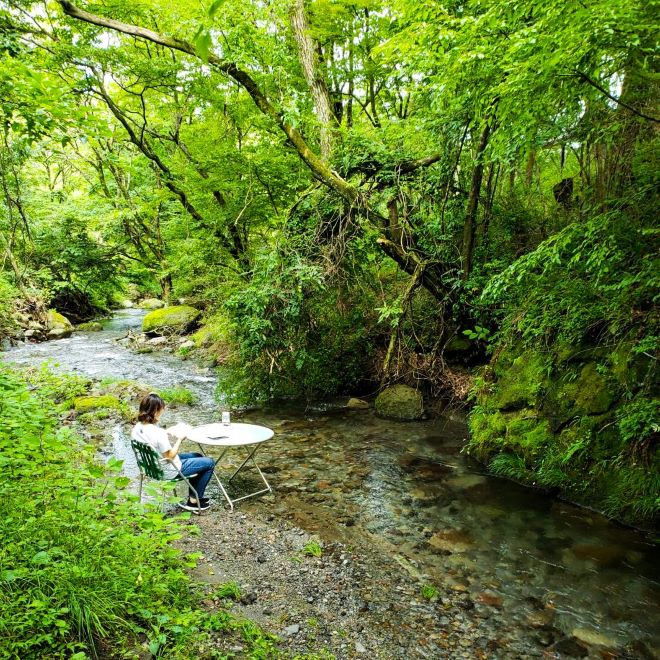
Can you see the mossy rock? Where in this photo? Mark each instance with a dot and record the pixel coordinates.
(522, 432)
(487, 433)
(520, 384)
(94, 416)
(458, 344)
(527, 433)
(90, 326)
(151, 303)
(57, 325)
(204, 337)
(400, 402)
(84, 404)
(589, 394)
(171, 320)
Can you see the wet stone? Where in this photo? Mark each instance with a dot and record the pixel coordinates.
(569, 646)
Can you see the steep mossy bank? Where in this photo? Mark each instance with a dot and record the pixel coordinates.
(579, 419)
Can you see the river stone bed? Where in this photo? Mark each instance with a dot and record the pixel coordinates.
(346, 602)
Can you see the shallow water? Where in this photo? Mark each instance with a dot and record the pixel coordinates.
(406, 489)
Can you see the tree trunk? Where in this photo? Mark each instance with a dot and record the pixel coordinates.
(470, 223)
(308, 56)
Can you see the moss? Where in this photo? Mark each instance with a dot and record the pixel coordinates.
(83, 404)
(628, 368)
(523, 433)
(55, 318)
(527, 433)
(90, 326)
(123, 389)
(93, 416)
(170, 320)
(174, 395)
(458, 344)
(521, 383)
(400, 402)
(574, 432)
(589, 394)
(214, 335)
(57, 325)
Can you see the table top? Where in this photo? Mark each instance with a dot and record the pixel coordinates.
(235, 434)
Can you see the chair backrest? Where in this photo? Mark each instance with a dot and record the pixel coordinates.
(147, 459)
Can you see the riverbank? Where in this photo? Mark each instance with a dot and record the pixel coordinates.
(404, 505)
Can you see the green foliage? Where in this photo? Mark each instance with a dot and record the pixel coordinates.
(293, 335)
(312, 549)
(178, 395)
(607, 260)
(8, 296)
(80, 563)
(83, 404)
(638, 420)
(54, 387)
(228, 590)
(84, 568)
(429, 592)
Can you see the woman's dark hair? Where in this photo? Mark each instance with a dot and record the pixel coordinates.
(150, 406)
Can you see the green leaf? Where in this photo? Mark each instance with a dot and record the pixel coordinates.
(203, 44)
(41, 558)
(215, 6)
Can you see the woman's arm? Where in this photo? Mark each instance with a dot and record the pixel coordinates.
(174, 450)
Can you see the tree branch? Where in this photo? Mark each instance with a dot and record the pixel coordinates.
(602, 90)
(319, 168)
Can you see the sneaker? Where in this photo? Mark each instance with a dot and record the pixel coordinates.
(191, 506)
(205, 500)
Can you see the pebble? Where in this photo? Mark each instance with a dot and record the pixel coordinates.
(292, 630)
(360, 648)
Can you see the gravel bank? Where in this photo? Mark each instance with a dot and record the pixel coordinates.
(349, 602)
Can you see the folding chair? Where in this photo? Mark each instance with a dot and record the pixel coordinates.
(149, 464)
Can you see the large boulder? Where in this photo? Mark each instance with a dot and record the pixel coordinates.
(151, 303)
(400, 402)
(57, 326)
(171, 320)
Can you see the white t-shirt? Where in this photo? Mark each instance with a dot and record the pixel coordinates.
(156, 437)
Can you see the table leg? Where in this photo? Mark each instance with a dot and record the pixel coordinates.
(217, 478)
(250, 457)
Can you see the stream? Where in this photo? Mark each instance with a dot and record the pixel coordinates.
(406, 489)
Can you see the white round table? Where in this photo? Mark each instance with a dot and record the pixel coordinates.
(234, 435)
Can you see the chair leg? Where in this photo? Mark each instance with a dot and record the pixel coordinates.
(190, 486)
(141, 480)
(199, 504)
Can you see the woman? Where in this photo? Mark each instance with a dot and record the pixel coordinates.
(151, 408)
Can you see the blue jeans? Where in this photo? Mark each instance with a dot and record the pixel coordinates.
(202, 466)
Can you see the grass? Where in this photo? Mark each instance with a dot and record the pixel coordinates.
(178, 395)
(429, 592)
(312, 549)
(228, 590)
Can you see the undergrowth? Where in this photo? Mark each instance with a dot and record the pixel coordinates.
(85, 570)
